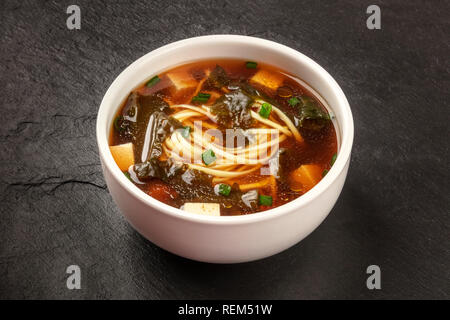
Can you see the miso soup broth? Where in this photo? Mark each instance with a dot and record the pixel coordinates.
(223, 137)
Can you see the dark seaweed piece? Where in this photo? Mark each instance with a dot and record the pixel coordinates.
(131, 107)
(311, 115)
(245, 87)
(153, 103)
(197, 186)
(125, 123)
(160, 126)
(217, 79)
(136, 113)
(139, 113)
(154, 168)
(233, 110)
(251, 91)
(203, 190)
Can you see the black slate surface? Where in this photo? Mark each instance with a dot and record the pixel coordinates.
(56, 210)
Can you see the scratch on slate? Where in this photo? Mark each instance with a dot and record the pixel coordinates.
(55, 184)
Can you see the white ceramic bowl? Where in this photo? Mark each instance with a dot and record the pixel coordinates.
(229, 239)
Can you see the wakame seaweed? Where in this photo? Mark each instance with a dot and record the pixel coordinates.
(153, 168)
(161, 126)
(183, 184)
(218, 78)
(136, 113)
(141, 111)
(233, 110)
(311, 116)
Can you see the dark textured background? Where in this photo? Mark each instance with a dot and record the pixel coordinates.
(56, 210)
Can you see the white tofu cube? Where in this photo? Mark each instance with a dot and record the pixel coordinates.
(209, 209)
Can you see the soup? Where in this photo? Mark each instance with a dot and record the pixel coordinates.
(223, 137)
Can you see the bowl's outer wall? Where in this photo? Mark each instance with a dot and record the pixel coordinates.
(244, 239)
(223, 243)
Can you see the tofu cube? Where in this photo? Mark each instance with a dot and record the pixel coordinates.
(123, 155)
(182, 81)
(208, 209)
(267, 79)
(306, 177)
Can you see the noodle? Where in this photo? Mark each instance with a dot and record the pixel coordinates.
(230, 162)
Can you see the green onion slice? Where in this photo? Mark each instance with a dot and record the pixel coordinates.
(204, 95)
(251, 65)
(153, 81)
(293, 101)
(333, 159)
(208, 157)
(265, 200)
(265, 110)
(224, 189)
(186, 131)
(116, 123)
(201, 97)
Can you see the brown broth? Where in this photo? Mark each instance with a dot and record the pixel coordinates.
(318, 148)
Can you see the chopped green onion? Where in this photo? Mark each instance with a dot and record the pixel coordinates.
(265, 200)
(186, 131)
(251, 65)
(265, 110)
(208, 157)
(293, 101)
(116, 123)
(324, 173)
(224, 189)
(201, 97)
(153, 81)
(333, 159)
(127, 174)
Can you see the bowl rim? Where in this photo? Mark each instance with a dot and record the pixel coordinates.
(345, 123)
